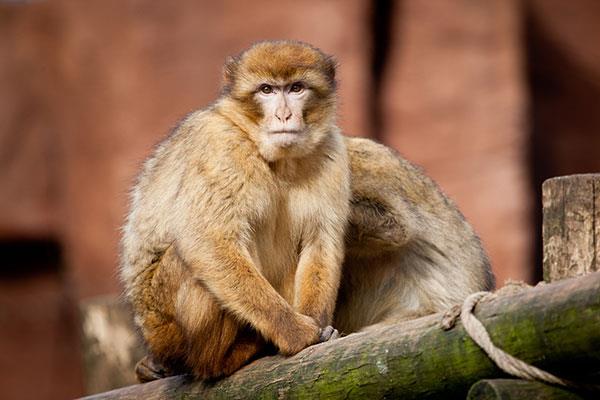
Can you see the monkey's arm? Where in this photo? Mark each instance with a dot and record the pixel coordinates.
(226, 270)
(318, 276)
(377, 226)
(382, 215)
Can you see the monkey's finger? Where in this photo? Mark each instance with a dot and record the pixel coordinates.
(335, 334)
(326, 333)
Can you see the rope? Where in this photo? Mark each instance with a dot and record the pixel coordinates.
(503, 360)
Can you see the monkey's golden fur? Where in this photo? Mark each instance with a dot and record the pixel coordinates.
(208, 211)
(230, 243)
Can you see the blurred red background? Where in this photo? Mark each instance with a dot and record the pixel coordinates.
(490, 97)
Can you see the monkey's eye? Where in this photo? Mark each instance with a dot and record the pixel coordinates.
(266, 89)
(296, 87)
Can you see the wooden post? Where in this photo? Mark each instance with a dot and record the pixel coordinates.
(507, 389)
(571, 227)
(110, 344)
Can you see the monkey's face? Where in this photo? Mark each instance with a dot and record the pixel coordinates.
(282, 105)
(287, 92)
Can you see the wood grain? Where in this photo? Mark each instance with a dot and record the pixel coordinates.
(571, 227)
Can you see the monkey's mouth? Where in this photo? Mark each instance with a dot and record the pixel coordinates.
(285, 138)
(283, 132)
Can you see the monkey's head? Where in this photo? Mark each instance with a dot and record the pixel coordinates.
(285, 93)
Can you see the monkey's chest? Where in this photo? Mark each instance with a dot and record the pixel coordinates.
(277, 250)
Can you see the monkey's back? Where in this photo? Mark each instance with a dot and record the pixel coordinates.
(146, 234)
(158, 200)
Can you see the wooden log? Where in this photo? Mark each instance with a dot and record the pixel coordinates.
(555, 327)
(517, 389)
(571, 227)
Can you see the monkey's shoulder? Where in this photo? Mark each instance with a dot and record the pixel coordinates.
(209, 134)
(205, 142)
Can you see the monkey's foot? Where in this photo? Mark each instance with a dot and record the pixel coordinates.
(147, 370)
(328, 333)
(450, 317)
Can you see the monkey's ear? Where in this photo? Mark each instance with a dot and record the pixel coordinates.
(230, 71)
(329, 68)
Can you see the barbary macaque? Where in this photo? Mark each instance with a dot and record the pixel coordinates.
(235, 235)
(241, 219)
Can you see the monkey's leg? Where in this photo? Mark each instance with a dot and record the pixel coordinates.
(223, 353)
(154, 303)
(185, 330)
(217, 344)
(248, 346)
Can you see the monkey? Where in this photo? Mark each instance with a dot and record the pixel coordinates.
(235, 234)
(409, 250)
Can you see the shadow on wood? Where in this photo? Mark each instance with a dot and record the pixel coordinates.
(507, 389)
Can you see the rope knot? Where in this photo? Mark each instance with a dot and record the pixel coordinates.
(480, 336)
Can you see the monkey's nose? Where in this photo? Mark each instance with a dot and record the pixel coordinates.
(283, 115)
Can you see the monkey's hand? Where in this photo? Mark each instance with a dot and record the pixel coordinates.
(297, 338)
(328, 333)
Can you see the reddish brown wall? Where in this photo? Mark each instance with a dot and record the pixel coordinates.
(28, 160)
(88, 87)
(454, 102)
(565, 83)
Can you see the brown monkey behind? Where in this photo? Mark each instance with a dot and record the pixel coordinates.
(235, 234)
(409, 251)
